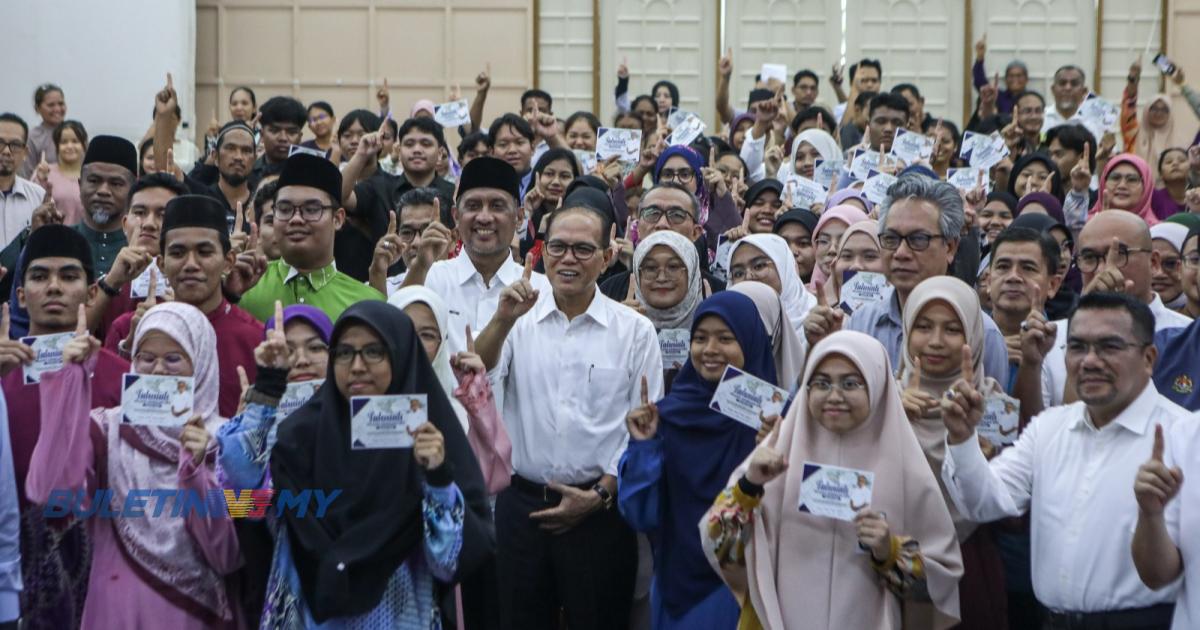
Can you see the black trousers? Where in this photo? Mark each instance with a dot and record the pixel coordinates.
(587, 572)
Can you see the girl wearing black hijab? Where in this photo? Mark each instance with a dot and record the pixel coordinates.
(407, 522)
(1030, 172)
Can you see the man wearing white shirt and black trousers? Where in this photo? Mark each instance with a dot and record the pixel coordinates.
(570, 363)
(1071, 470)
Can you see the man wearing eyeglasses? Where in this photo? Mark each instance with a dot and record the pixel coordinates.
(667, 206)
(1114, 252)
(1072, 467)
(571, 364)
(18, 196)
(308, 212)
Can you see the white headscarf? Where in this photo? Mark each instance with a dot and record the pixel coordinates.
(820, 140)
(680, 315)
(797, 302)
(1175, 234)
(441, 363)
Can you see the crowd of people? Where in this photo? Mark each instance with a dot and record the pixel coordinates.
(978, 347)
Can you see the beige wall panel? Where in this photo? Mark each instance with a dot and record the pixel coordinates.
(257, 44)
(207, 62)
(1045, 34)
(318, 59)
(1128, 25)
(409, 46)
(566, 54)
(1183, 46)
(798, 33)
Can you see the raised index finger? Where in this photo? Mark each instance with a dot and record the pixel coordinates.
(170, 82)
(914, 379)
(1114, 254)
(150, 299)
(1156, 454)
(279, 316)
(391, 229)
(646, 396)
(968, 365)
(470, 340)
(528, 273)
(4, 321)
(239, 219)
(81, 328)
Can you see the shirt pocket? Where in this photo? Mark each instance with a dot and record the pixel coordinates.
(601, 392)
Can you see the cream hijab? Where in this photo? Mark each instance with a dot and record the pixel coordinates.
(441, 363)
(785, 344)
(806, 571)
(820, 140)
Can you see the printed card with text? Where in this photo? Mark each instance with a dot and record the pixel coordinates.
(834, 491)
(911, 146)
(983, 150)
(805, 192)
(676, 116)
(965, 178)
(140, 287)
(296, 395)
(625, 144)
(47, 355)
(720, 264)
(164, 401)
(860, 288)
(865, 161)
(452, 114)
(1001, 419)
(775, 71)
(687, 131)
(676, 347)
(876, 186)
(587, 160)
(1100, 112)
(827, 172)
(386, 421)
(747, 398)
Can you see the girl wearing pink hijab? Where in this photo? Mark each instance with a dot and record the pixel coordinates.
(825, 238)
(1126, 184)
(791, 568)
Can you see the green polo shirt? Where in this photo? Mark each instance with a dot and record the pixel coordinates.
(327, 289)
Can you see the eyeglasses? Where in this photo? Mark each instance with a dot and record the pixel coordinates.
(1131, 179)
(1192, 260)
(172, 362)
(756, 270)
(1109, 346)
(651, 272)
(13, 146)
(1088, 260)
(407, 234)
(848, 385)
(371, 353)
(675, 215)
(310, 212)
(683, 175)
(582, 251)
(917, 241)
(1170, 264)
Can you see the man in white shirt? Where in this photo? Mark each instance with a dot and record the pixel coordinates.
(19, 197)
(1160, 553)
(1068, 467)
(570, 363)
(1070, 91)
(486, 213)
(1114, 253)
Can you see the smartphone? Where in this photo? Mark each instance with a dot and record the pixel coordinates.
(1164, 64)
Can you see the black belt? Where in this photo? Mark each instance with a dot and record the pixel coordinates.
(1129, 619)
(543, 491)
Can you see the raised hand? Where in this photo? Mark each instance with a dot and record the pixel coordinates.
(988, 94)
(368, 146)
(1191, 197)
(383, 96)
(623, 69)
(83, 346)
(962, 406)
(643, 421)
(534, 197)
(822, 320)
(194, 439)
(273, 351)
(519, 297)
(766, 463)
(429, 447)
(42, 173)
(1012, 133)
(713, 179)
(766, 425)
(873, 533)
(13, 353)
(1081, 173)
(835, 75)
(237, 240)
(1037, 333)
(631, 294)
(742, 231)
(435, 241)
(248, 267)
(981, 47)
(166, 100)
(1108, 142)
(773, 157)
(1111, 279)
(1155, 484)
(389, 249)
(725, 65)
(623, 245)
(917, 402)
(483, 81)
(46, 213)
(468, 361)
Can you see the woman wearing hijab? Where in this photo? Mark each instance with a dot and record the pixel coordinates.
(810, 145)
(858, 250)
(794, 569)
(852, 197)
(833, 223)
(942, 321)
(465, 383)
(1167, 240)
(666, 285)
(683, 165)
(1030, 173)
(404, 517)
(738, 128)
(146, 572)
(786, 345)
(997, 213)
(679, 456)
(1126, 185)
(767, 259)
(666, 97)
(1151, 135)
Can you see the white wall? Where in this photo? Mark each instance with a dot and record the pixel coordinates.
(109, 56)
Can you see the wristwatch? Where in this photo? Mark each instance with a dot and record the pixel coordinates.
(106, 288)
(606, 497)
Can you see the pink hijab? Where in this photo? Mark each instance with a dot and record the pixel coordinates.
(144, 457)
(1142, 208)
(846, 214)
(788, 547)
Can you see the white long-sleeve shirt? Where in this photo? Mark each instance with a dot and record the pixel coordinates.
(1182, 448)
(1076, 481)
(568, 386)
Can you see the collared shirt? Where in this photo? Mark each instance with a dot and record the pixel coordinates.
(1182, 448)
(105, 246)
(17, 206)
(327, 289)
(1052, 119)
(10, 527)
(884, 321)
(1054, 366)
(1176, 371)
(568, 386)
(471, 301)
(1076, 482)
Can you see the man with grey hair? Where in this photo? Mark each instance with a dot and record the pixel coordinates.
(920, 224)
(1070, 91)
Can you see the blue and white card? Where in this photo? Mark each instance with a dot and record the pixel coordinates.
(965, 179)
(863, 162)
(296, 395)
(676, 347)
(876, 186)
(860, 288)
(452, 114)
(47, 355)
(587, 161)
(687, 131)
(386, 421)
(747, 398)
(140, 287)
(834, 491)
(1001, 419)
(625, 144)
(981, 150)
(911, 146)
(805, 193)
(827, 172)
(164, 401)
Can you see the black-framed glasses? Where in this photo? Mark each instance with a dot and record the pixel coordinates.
(372, 353)
(1088, 260)
(14, 146)
(1106, 347)
(675, 215)
(682, 175)
(917, 241)
(407, 234)
(582, 251)
(310, 212)
(847, 385)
